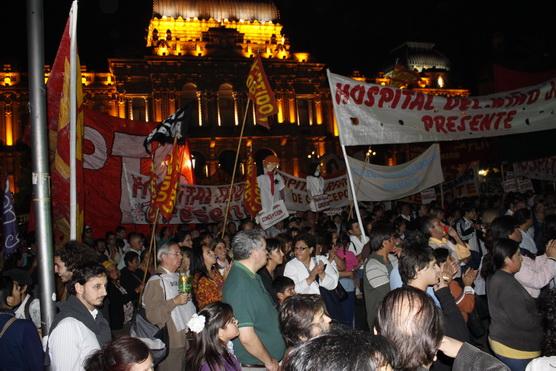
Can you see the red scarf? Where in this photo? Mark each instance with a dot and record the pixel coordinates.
(271, 176)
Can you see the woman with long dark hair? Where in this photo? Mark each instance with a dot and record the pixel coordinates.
(123, 354)
(207, 280)
(534, 273)
(210, 332)
(515, 331)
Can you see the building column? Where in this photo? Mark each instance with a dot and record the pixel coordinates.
(130, 108)
(218, 115)
(198, 95)
(121, 107)
(236, 113)
(171, 104)
(157, 109)
(292, 107)
(8, 120)
(318, 111)
(146, 109)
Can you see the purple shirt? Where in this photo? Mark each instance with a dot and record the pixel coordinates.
(234, 366)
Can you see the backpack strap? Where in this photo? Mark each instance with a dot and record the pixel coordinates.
(7, 326)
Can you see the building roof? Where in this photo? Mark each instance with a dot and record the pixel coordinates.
(260, 10)
(420, 56)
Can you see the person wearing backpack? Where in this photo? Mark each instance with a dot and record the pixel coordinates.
(20, 345)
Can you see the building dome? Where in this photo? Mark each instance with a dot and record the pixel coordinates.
(261, 10)
(420, 56)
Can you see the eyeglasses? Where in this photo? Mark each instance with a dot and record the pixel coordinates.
(175, 253)
(301, 248)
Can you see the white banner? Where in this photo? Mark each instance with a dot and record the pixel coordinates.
(543, 169)
(381, 183)
(375, 114)
(428, 196)
(297, 197)
(207, 204)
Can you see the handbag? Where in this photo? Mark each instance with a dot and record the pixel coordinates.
(339, 292)
(156, 338)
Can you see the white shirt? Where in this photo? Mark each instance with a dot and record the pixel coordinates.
(356, 245)
(70, 344)
(297, 271)
(34, 310)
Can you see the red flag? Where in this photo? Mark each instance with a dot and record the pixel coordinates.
(260, 92)
(58, 98)
(252, 195)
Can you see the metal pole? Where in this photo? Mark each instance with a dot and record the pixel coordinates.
(39, 148)
(73, 123)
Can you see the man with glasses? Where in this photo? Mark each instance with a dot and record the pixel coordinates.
(165, 306)
(260, 344)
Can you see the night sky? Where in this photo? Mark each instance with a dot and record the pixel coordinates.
(473, 34)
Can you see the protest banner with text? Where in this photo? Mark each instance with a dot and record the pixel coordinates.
(375, 114)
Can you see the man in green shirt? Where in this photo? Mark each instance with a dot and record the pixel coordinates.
(260, 341)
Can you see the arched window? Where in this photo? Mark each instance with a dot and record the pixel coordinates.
(226, 106)
(189, 95)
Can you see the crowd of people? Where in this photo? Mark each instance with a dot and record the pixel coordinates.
(466, 287)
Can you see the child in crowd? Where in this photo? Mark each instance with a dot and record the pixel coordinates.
(284, 287)
(209, 339)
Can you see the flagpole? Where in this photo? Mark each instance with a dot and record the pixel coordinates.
(73, 121)
(39, 150)
(353, 192)
(350, 177)
(235, 166)
(150, 251)
(359, 182)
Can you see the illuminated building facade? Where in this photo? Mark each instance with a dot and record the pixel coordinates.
(200, 52)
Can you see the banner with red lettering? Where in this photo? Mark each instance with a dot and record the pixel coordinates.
(375, 114)
(260, 93)
(297, 198)
(117, 181)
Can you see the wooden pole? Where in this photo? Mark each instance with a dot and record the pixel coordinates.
(150, 253)
(235, 166)
(152, 243)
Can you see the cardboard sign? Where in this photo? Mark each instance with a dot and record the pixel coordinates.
(322, 202)
(525, 184)
(278, 213)
(428, 196)
(509, 185)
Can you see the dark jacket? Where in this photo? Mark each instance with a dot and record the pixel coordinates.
(454, 324)
(131, 281)
(75, 309)
(514, 319)
(116, 306)
(20, 346)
